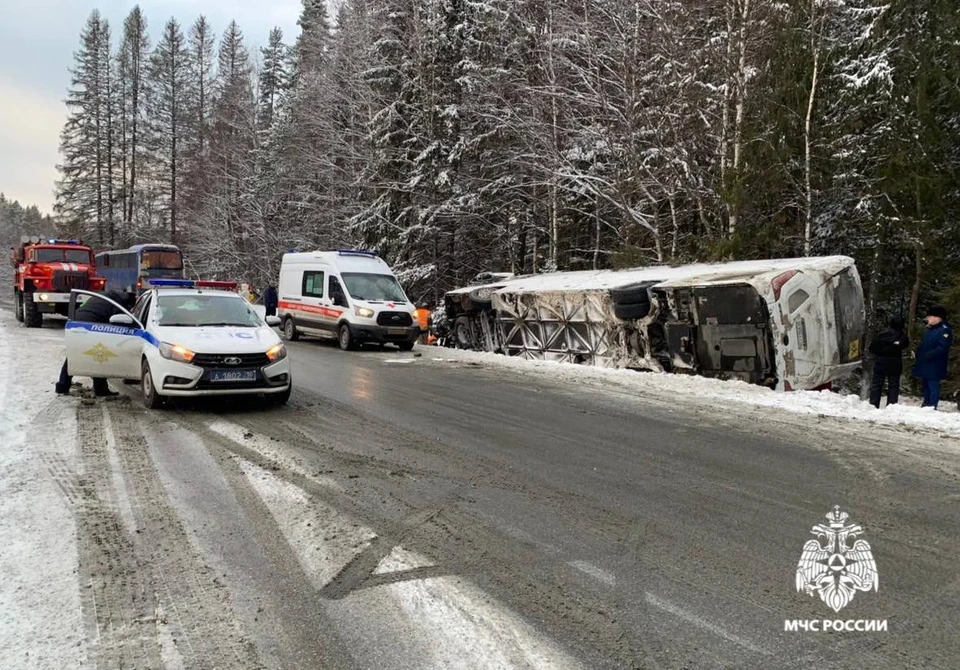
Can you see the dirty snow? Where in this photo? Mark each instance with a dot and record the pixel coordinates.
(40, 618)
(906, 415)
(449, 622)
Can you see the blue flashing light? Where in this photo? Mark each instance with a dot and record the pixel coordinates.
(357, 252)
(176, 283)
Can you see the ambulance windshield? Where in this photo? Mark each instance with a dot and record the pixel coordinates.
(364, 286)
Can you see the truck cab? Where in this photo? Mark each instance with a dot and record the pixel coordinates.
(45, 271)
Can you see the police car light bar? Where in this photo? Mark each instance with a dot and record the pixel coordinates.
(174, 283)
(190, 283)
(209, 283)
(357, 252)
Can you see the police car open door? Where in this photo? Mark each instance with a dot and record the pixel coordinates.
(110, 350)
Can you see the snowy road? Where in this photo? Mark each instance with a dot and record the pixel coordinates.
(450, 512)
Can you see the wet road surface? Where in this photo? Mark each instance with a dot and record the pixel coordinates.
(411, 512)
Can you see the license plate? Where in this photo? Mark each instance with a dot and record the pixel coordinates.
(396, 331)
(233, 375)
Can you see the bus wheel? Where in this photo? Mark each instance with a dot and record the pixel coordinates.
(290, 331)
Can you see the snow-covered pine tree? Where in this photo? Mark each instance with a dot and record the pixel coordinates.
(81, 191)
(132, 56)
(312, 47)
(167, 106)
(272, 81)
(200, 44)
(197, 126)
(386, 218)
(232, 142)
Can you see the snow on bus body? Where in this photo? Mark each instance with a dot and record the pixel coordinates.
(784, 323)
(348, 295)
(183, 338)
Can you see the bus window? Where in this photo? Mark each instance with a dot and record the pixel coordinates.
(161, 260)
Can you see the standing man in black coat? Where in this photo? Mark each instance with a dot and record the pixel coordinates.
(270, 300)
(888, 347)
(93, 310)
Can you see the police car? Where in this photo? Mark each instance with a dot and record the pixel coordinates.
(183, 338)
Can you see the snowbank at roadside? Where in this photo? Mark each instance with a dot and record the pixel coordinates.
(40, 618)
(821, 403)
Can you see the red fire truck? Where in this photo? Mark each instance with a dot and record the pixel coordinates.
(45, 273)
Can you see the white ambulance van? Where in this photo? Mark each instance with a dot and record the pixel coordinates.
(348, 295)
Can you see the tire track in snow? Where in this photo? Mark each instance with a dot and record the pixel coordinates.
(391, 593)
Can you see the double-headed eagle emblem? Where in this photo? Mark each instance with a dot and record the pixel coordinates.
(833, 569)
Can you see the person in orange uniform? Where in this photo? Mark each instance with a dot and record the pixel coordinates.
(423, 319)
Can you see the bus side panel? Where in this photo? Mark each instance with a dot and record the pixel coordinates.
(120, 272)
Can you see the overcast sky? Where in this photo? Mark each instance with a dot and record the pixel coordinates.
(37, 42)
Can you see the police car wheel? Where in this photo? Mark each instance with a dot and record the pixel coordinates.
(282, 397)
(345, 338)
(151, 399)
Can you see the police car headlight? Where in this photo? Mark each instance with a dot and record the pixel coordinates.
(364, 312)
(277, 353)
(175, 352)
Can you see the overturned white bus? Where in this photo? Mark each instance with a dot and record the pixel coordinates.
(787, 323)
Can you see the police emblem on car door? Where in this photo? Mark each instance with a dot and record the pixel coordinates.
(110, 350)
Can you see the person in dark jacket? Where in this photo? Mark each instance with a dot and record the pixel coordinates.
(270, 300)
(887, 348)
(93, 311)
(932, 355)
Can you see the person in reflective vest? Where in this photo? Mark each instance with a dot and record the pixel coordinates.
(424, 321)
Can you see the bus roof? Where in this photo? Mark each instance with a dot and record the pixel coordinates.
(143, 247)
(664, 276)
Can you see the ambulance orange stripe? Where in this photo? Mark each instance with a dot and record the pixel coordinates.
(310, 309)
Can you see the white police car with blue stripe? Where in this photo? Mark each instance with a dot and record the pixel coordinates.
(183, 338)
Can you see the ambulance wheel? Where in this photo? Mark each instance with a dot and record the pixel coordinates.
(345, 338)
(151, 399)
(290, 331)
(405, 346)
(32, 318)
(18, 306)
